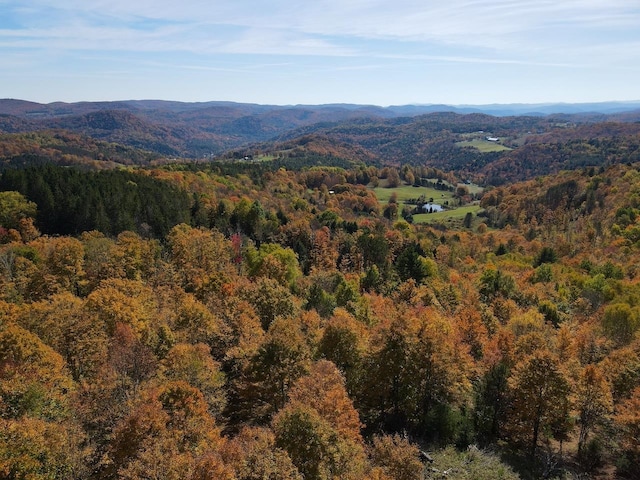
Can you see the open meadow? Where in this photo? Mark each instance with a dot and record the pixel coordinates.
(445, 198)
(455, 215)
(409, 192)
(483, 146)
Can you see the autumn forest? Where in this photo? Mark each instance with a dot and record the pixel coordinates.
(265, 315)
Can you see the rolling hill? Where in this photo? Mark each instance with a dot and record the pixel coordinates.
(447, 138)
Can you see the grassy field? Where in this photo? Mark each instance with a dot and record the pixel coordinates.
(407, 192)
(455, 215)
(483, 145)
(265, 158)
(473, 189)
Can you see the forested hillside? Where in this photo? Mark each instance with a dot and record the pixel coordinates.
(68, 149)
(71, 201)
(523, 147)
(191, 130)
(539, 143)
(239, 321)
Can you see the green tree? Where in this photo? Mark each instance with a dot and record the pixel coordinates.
(543, 274)
(620, 322)
(546, 255)
(281, 359)
(468, 220)
(374, 249)
(324, 303)
(273, 261)
(270, 300)
(411, 263)
(316, 449)
(371, 279)
(347, 294)
(344, 342)
(492, 402)
(14, 207)
(494, 283)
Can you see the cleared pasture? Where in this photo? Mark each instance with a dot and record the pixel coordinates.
(484, 146)
(445, 198)
(408, 192)
(455, 215)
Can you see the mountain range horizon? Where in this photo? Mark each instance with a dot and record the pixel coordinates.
(418, 108)
(206, 130)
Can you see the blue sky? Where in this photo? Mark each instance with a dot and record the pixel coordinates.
(389, 52)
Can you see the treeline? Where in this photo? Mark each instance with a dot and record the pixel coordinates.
(71, 201)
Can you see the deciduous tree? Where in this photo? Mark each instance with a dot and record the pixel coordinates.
(164, 434)
(323, 389)
(35, 449)
(203, 258)
(593, 402)
(13, 208)
(398, 458)
(315, 448)
(281, 359)
(194, 365)
(270, 300)
(344, 342)
(273, 261)
(254, 456)
(628, 419)
(33, 378)
(540, 394)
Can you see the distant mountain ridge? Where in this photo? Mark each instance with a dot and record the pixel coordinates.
(174, 128)
(436, 135)
(33, 109)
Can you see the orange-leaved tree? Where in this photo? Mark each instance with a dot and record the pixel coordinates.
(540, 395)
(594, 402)
(163, 435)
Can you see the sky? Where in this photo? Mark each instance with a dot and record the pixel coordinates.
(284, 52)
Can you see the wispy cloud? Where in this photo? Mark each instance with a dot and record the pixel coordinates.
(536, 39)
(480, 60)
(322, 27)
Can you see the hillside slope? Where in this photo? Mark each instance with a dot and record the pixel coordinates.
(396, 134)
(65, 148)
